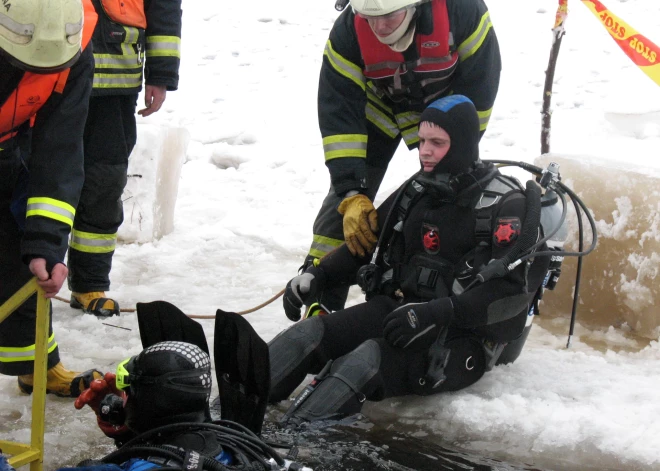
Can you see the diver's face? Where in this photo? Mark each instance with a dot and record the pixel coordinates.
(434, 143)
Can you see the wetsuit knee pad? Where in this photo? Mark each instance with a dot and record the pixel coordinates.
(467, 363)
(291, 356)
(351, 380)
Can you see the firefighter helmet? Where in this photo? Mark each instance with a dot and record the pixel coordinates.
(41, 35)
(382, 7)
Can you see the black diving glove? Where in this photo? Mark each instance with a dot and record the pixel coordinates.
(415, 326)
(302, 289)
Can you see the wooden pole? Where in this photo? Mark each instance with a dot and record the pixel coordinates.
(557, 35)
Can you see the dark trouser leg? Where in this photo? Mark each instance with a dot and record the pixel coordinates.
(308, 345)
(110, 135)
(328, 227)
(293, 353)
(17, 332)
(375, 370)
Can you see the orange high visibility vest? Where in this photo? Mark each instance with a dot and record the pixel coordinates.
(126, 12)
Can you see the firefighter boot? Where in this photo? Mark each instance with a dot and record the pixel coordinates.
(95, 303)
(61, 382)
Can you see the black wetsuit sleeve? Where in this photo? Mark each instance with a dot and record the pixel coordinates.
(56, 165)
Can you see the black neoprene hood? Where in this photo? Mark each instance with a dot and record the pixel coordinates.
(457, 115)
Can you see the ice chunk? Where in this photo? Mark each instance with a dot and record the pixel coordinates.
(619, 283)
(150, 195)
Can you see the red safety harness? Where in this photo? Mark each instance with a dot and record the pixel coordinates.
(433, 50)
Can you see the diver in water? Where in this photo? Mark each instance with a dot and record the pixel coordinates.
(156, 408)
(435, 318)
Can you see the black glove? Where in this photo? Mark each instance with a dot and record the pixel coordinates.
(302, 289)
(416, 325)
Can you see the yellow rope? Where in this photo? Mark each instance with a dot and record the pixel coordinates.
(202, 316)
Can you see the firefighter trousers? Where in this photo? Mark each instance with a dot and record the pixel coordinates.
(17, 332)
(110, 135)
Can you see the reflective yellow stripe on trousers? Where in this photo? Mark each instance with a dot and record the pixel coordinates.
(321, 245)
(92, 243)
(13, 354)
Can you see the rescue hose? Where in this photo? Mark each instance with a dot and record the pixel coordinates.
(231, 435)
(578, 277)
(204, 316)
(124, 454)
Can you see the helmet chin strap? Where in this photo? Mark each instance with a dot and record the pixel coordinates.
(401, 38)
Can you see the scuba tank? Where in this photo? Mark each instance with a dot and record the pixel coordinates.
(551, 215)
(555, 234)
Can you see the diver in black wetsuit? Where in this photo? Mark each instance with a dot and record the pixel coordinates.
(431, 322)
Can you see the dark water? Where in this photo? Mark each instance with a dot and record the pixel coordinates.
(361, 446)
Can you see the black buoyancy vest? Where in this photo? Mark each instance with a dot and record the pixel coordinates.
(427, 276)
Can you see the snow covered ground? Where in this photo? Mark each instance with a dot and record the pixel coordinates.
(253, 179)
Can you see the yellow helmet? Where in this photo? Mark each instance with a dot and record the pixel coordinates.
(41, 35)
(382, 7)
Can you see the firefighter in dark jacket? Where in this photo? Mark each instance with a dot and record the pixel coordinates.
(46, 73)
(384, 62)
(430, 323)
(129, 34)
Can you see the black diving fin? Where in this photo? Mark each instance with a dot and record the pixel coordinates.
(242, 369)
(160, 321)
(242, 364)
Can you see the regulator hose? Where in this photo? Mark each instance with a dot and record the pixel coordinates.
(125, 453)
(231, 436)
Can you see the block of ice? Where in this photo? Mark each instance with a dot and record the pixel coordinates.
(619, 283)
(150, 195)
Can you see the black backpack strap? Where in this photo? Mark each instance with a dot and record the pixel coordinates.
(411, 194)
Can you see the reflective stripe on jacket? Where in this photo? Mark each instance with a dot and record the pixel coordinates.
(132, 34)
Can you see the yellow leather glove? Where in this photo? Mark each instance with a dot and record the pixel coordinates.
(360, 224)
